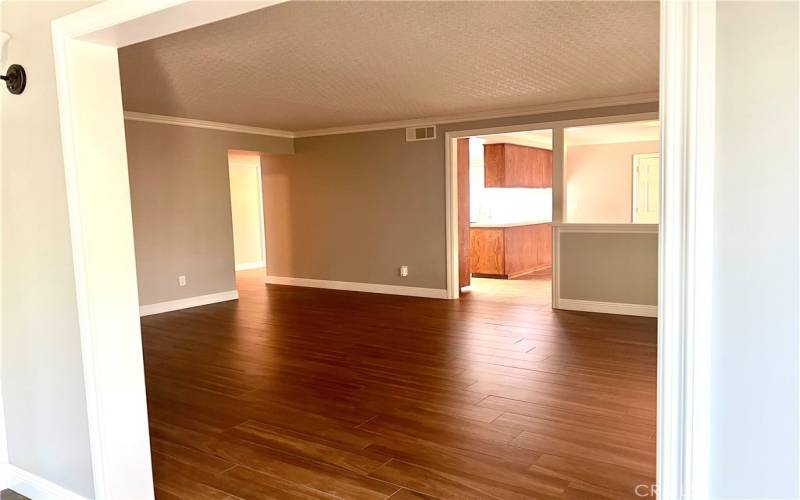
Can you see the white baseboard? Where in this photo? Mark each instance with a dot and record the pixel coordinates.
(608, 307)
(249, 265)
(33, 486)
(200, 300)
(433, 293)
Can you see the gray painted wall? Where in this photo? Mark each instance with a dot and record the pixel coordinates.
(355, 207)
(754, 441)
(350, 207)
(181, 205)
(610, 267)
(42, 371)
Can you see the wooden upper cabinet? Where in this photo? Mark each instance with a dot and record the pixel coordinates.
(510, 165)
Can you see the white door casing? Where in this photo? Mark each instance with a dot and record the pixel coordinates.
(646, 190)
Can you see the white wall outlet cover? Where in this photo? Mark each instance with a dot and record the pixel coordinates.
(182, 280)
(404, 271)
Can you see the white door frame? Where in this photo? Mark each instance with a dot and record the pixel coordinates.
(635, 177)
(105, 280)
(687, 103)
(95, 164)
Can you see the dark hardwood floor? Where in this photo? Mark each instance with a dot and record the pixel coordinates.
(305, 393)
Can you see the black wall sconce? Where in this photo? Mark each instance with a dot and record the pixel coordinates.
(15, 79)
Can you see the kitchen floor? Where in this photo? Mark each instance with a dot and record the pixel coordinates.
(294, 392)
(532, 289)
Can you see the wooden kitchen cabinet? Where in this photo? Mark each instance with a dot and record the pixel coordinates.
(508, 251)
(511, 165)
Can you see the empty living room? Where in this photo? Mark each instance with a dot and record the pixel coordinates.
(395, 250)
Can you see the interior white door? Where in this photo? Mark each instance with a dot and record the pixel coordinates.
(645, 188)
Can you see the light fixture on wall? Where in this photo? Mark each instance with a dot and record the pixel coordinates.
(15, 77)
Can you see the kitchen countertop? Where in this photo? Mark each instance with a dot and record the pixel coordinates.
(496, 224)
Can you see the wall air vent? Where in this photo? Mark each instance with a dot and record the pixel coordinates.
(425, 133)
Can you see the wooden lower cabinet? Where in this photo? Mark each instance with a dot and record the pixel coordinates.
(508, 252)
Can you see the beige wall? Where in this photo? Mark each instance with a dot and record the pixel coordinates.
(609, 267)
(244, 173)
(599, 181)
(42, 370)
(180, 199)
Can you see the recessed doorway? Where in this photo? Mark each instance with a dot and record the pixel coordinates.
(505, 214)
(247, 210)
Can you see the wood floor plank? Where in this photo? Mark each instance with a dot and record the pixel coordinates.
(354, 459)
(610, 478)
(404, 494)
(294, 392)
(326, 478)
(427, 481)
(489, 473)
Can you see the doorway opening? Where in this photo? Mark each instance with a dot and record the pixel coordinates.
(101, 227)
(247, 211)
(505, 215)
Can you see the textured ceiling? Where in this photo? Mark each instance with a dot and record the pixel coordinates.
(308, 65)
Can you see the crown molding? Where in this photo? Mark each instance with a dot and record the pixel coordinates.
(487, 115)
(649, 97)
(190, 122)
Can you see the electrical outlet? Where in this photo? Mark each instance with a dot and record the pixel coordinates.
(182, 280)
(403, 271)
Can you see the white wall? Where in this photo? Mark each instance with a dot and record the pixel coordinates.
(42, 372)
(754, 447)
(244, 173)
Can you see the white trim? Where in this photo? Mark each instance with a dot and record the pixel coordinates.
(688, 72)
(246, 266)
(106, 301)
(531, 142)
(400, 124)
(175, 305)
(574, 122)
(181, 16)
(608, 307)
(33, 486)
(451, 215)
(635, 177)
(433, 293)
(487, 115)
(190, 122)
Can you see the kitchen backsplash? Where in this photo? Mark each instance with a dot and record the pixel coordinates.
(510, 204)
